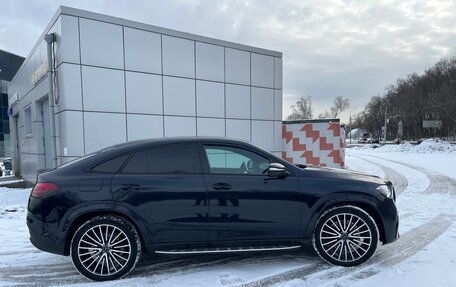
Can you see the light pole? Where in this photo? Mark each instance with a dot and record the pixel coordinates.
(386, 122)
(351, 124)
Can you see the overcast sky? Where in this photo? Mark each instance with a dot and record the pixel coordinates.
(330, 48)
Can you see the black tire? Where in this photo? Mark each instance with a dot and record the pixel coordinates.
(346, 236)
(105, 248)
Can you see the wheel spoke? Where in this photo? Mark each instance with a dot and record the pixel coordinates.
(329, 242)
(96, 235)
(350, 250)
(353, 226)
(114, 244)
(93, 240)
(337, 232)
(348, 225)
(329, 237)
(340, 224)
(335, 225)
(101, 234)
(338, 245)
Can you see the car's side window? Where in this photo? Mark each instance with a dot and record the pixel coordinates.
(173, 159)
(110, 166)
(233, 160)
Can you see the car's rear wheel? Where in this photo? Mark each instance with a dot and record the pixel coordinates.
(346, 236)
(105, 248)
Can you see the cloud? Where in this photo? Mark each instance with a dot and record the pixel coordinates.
(349, 48)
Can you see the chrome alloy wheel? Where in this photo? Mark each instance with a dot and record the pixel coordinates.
(345, 237)
(104, 250)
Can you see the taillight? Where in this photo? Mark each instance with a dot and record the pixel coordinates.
(43, 188)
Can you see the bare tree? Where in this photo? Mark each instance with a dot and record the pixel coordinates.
(340, 104)
(325, 115)
(414, 99)
(302, 109)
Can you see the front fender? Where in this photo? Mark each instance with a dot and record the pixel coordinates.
(332, 200)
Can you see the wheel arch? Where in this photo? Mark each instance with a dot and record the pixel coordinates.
(365, 205)
(82, 217)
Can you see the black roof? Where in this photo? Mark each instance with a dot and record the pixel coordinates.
(138, 144)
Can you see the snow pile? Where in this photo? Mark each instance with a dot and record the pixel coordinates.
(431, 145)
(427, 146)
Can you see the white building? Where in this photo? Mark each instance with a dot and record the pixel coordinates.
(117, 80)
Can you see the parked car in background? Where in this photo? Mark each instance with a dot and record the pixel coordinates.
(364, 138)
(204, 195)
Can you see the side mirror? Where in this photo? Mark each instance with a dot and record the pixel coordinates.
(277, 170)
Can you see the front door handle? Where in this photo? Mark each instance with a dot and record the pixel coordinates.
(221, 186)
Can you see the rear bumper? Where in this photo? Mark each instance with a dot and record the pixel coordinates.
(43, 235)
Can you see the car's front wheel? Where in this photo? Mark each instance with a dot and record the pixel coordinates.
(346, 236)
(105, 248)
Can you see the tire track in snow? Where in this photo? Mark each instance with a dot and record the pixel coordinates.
(399, 181)
(439, 183)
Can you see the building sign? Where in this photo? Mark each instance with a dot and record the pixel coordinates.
(432, 124)
(39, 73)
(13, 99)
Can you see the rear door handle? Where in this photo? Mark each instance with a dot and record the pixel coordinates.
(221, 186)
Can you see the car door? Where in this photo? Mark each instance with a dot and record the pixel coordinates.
(245, 203)
(164, 185)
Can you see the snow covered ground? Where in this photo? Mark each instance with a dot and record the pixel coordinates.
(425, 255)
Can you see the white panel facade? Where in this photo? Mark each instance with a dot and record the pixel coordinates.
(278, 73)
(101, 44)
(210, 99)
(144, 93)
(71, 127)
(238, 129)
(144, 127)
(210, 127)
(142, 51)
(120, 81)
(278, 105)
(263, 134)
(262, 104)
(210, 62)
(70, 87)
(237, 66)
(277, 136)
(237, 101)
(103, 89)
(262, 71)
(103, 129)
(178, 57)
(180, 126)
(68, 40)
(179, 96)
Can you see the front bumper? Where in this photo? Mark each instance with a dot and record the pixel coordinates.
(390, 223)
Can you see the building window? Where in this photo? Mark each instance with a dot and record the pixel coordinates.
(28, 121)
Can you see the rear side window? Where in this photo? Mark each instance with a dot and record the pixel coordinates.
(111, 166)
(174, 159)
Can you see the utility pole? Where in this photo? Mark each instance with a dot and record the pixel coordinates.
(350, 133)
(386, 122)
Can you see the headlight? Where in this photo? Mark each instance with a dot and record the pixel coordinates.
(386, 190)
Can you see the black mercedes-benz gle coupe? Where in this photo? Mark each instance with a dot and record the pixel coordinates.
(203, 195)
